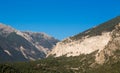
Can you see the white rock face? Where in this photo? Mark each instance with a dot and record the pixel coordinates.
(27, 37)
(87, 46)
(23, 52)
(8, 52)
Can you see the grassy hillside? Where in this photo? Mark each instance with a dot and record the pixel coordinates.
(80, 64)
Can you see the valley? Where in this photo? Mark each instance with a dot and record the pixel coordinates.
(96, 50)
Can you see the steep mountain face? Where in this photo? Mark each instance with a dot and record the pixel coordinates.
(112, 49)
(42, 39)
(103, 38)
(23, 46)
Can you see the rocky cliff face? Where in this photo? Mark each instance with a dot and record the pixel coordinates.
(86, 45)
(23, 46)
(112, 49)
(103, 38)
(42, 39)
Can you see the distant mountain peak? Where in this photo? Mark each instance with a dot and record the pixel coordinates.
(41, 34)
(23, 46)
(5, 30)
(5, 27)
(43, 39)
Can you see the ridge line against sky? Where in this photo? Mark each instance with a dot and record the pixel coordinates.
(58, 18)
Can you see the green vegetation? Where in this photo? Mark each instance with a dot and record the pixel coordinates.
(5, 68)
(52, 65)
(78, 64)
(60, 65)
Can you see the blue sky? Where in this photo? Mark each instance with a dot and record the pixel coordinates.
(58, 18)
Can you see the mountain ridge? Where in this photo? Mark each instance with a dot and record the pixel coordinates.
(93, 30)
(97, 53)
(21, 46)
(91, 40)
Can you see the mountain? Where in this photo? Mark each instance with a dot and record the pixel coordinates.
(99, 38)
(23, 46)
(42, 39)
(96, 50)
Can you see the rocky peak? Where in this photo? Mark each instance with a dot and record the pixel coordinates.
(42, 39)
(23, 46)
(39, 34)
(5, 29)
